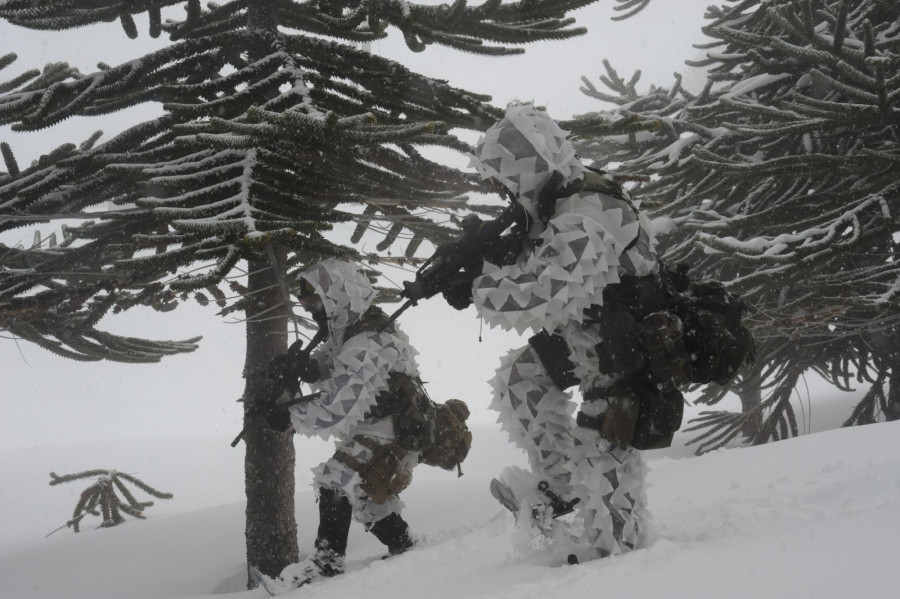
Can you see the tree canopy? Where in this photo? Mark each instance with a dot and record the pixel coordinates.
(277, 126)
(780, 177)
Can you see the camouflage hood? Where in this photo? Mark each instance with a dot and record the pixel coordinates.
(345, 292)
(522, 150)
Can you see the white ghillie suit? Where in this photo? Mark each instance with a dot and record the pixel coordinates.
(354, 371)
(589, 241)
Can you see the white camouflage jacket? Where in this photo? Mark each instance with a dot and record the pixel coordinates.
(591, 239)
(354, 370)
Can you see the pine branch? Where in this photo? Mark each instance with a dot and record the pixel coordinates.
(103, 493)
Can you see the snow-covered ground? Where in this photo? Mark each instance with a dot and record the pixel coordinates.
(817, 516)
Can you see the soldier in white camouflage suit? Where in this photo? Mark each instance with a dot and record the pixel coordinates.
(363, 372)
(581, 246)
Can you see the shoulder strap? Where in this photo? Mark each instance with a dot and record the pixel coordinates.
(374, 319)
(598, 180)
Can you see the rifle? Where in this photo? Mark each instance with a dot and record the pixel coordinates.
(449, 264)
(283, 376)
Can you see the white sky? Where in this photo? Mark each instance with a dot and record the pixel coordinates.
(47, 399)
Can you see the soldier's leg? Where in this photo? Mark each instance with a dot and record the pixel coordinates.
(610, 479)
(334, 482)
(381, 518)
(335, 515)
(537, 416)
(393, 532)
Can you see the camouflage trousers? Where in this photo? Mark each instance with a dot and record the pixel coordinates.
(608, 479)
(336, 474)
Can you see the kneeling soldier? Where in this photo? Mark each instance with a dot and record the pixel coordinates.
(372, 402)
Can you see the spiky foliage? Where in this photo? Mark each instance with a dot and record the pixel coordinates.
(102, 498)
(276, 128)
(269, 133)
(629, 8)
(781, 175)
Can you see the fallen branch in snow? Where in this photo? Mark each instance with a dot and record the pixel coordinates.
(103, 494)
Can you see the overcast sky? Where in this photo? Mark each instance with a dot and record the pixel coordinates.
(46, 399)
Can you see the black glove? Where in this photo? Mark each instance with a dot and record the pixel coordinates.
(308, 370)
(459, 294)
(279, 419)
(285, 370)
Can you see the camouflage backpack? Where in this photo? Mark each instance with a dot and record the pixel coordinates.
(452, 438)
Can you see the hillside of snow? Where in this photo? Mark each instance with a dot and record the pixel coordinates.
(817, 516)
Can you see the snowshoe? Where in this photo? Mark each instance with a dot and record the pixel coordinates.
(560, 507)
(542, 514)
(557, 507)
(297, 575)
(270, 585)
(505, 496)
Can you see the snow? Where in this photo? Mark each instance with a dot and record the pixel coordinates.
(816, 516)
(750, 84)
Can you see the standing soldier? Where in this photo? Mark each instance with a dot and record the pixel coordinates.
(579, 272)
(371, 401)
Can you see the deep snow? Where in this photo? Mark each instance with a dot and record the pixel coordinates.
(817, 516)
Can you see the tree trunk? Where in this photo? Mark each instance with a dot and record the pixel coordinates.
(750, 394)
(892, 409)
(271, 527)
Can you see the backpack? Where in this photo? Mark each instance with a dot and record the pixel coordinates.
(452, 438)
(384, 475)
(714, 335)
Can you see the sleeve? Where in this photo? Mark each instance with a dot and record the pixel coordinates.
(362, 366)
(576, 257)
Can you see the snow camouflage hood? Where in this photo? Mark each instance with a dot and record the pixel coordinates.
(345, 292)
(522, 150)
(356, 367)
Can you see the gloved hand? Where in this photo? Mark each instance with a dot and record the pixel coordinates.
(307, 370)
(459, 294)
(286, 370)
(279, 419)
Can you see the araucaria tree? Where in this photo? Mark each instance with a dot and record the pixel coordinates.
(783, 177)
(276, 126)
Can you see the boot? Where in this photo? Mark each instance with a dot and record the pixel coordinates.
(335, 515)
(393, 531)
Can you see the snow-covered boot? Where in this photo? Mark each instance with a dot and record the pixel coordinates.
(335, 515)
(393, 531)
